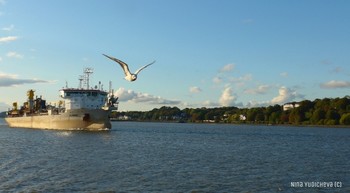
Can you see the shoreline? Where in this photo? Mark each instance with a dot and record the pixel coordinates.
(252, 124)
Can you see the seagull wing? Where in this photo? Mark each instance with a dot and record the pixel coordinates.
(137, 71)
(122, 64)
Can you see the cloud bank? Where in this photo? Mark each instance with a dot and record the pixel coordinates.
(9, 28)
(335, 84)
(262, 89)
(138, 97)
(227, 98)
(285, 95)
(14, 55)
(195, 89)
(8, 39)
(227, 68)
(8, 80)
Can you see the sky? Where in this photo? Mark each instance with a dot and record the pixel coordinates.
(208, 53)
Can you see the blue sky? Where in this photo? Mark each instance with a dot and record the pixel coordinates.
(209, 53)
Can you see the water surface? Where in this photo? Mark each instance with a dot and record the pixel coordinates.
(174, 157)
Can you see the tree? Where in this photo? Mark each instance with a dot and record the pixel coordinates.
(332, 117)
(323, 104)
(251, 113)
(317, 116)
(210, 115)
(306, 105)
(285, 117)
(345, 119)
(233, 118)
(330, 111)
(198, 114)
(341, 104)
(274, 118)
(296, 116)
(259, 117)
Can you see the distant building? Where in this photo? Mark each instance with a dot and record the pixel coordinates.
(242, 117)
(291, 105)
(124, 118)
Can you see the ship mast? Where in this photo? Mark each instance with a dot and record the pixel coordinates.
(81, 78)
(87, 72)
(110, 87)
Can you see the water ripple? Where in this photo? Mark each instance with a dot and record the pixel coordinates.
(157, 157)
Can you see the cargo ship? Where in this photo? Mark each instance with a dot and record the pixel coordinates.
(82, 108)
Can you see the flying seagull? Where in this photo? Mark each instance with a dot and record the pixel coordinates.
(128, 75)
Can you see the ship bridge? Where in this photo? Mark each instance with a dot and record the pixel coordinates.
(83, 98)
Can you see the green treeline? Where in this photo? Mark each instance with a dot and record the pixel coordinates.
(327, 111)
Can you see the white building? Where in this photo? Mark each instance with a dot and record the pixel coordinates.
(291, 105)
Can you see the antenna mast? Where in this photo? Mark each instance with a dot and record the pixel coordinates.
(81, 78)
(87, 72)
(110, 86)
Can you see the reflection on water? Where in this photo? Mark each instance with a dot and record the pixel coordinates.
(64, 133)
(164, 157)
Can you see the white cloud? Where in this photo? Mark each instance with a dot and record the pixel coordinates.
(195, 89)
(285, 95)
(209, 103)
(138, 97)
(0, 59)
(224, 77)
(335, 84)
(258, 104)
(217, 80)
(9, 28)
(125, 95)
(262, 89)
(242, 80)
(14, 55)
(227, 68)
(8, 80)
(8, 38)
(247, 77)
(227, 98)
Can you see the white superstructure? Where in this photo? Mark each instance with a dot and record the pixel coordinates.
(88, 98)
(83, 99)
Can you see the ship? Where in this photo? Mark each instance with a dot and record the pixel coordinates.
(81, 108)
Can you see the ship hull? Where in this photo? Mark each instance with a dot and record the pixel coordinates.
(82, 119)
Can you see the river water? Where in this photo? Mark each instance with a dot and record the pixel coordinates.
(176, 157)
